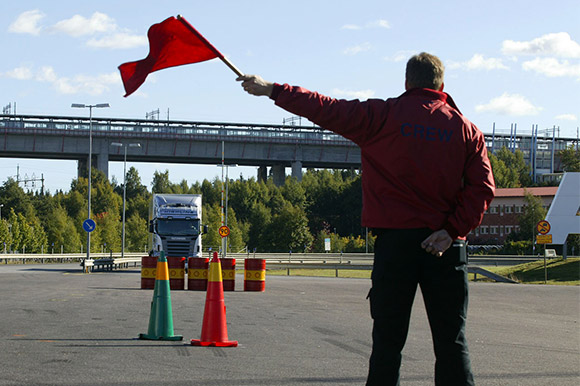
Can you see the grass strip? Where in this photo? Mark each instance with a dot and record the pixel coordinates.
(560, 272)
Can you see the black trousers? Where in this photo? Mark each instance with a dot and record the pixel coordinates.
(400, 265)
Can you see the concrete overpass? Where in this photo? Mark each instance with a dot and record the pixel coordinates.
(274, 146)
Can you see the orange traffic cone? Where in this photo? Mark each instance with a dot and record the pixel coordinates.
(214, 331)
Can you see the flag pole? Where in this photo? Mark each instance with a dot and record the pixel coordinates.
(210, 46)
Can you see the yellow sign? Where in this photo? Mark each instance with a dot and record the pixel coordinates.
(543, 227)
(224, 231)
(544, 239)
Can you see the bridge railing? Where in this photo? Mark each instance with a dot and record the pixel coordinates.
(25, 124)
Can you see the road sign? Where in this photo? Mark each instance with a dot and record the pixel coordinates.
(89, 225)
(543, 227)
(544, 239)
(224, 231)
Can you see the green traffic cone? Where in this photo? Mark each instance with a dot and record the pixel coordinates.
(161, 317)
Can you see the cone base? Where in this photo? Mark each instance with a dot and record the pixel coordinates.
(198, 342)
(153, 337)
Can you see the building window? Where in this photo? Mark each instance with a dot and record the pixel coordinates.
(493, 210)
(493, 230)
(508, 209)
(508, 229)
(518, 209)
(483, 230)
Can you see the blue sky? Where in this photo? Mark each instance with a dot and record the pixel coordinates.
(507, 61)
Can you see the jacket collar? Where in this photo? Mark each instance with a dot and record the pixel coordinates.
(433, 94)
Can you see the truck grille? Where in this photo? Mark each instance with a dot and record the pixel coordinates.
(178, 248)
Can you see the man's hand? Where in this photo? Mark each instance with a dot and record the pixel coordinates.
(255, 85)
(437, 243)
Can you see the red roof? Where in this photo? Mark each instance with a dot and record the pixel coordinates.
(520, 192)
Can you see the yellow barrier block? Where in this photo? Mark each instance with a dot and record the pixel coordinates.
(176, 273)
(228, 274)
(197, 273)
(255, 275)
(148, 273)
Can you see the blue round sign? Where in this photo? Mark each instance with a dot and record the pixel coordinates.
(89, 225)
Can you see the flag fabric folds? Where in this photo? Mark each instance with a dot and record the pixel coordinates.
(171, 43)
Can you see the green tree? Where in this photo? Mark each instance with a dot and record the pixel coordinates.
(211, 216)
(71, 239)
(136, 233)
(138, 199)
(161, 183)
(16, 228)
(289, 231)
(504, 176)
(108, 232)
(260, 220)
(510, 169)
(13, 196)
(56, 227)
(5, 236)
(105, 200)
(533, 212)
(570, 159)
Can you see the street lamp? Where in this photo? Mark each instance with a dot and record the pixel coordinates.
(125, 146)
(224, 215)
(1, 206)
(90, 107)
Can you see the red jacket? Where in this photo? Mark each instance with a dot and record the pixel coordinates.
(423, 163)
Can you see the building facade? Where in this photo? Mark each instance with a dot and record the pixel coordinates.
(502, 216)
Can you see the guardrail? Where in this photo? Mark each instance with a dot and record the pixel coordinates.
(108, 264)
(301, 258)
(287, 261)
(26, 258)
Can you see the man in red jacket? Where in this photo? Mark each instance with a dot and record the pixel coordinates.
(426, 183)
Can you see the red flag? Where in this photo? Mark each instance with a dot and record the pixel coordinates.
(171, 43)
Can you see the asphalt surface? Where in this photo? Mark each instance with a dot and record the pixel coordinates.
(60, 327)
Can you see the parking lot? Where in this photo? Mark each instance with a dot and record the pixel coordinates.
(60, 326)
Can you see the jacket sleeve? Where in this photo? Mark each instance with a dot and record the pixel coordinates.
(478, 189)
(352, 119)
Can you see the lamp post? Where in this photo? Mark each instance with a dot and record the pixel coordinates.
(224, 214)
(1, 206)
(125, 146)
(90, 107)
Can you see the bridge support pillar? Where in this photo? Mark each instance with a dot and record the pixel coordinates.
(262, 173)
(297, 170)
(279, 174)
(100, 162)
(103, 162)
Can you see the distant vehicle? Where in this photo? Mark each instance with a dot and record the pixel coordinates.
(175, 225)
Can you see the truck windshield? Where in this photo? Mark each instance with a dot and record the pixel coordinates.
(178, 227)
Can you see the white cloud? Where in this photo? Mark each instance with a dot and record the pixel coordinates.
(566, 117)
(46, 74)
(509, 104)
(400, 56)
(378, 24)
(27, 23)
(362, 94)
(479, 62)
(371, 24)
(79, 25)
(357, 49)
(79, 84)
(351, 27)
(554, 44)
(119, 41)
(19, 73)
(552, 67)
